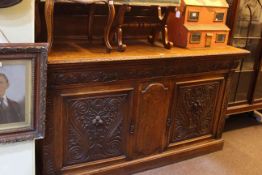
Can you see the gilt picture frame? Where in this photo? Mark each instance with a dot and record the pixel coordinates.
(22, 91)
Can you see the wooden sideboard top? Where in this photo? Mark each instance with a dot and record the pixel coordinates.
(75, 52)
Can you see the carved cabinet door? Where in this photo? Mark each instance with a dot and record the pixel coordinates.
(95, 125)
(196, 109)
(148, 129)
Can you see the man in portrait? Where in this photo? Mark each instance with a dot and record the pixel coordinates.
(9, 109)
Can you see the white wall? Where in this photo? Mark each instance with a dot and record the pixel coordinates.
(17, 23)
(17, 158)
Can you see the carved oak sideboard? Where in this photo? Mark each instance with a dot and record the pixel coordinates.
(124, 113)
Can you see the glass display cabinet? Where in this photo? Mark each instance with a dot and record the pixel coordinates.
(245, 20)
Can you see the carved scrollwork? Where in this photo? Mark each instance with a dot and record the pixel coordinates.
(135, 72)
(95, 128)
(83, 77)
(194, 111)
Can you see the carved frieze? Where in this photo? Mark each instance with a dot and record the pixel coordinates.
(135, 72)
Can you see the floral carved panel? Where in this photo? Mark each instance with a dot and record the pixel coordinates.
(95, 128)
(194, 110)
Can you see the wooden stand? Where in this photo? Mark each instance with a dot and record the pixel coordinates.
(158, 26)
(114, 25)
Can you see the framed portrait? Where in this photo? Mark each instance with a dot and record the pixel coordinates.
(22, 91)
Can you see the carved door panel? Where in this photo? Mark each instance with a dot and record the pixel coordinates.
(95, 126)
(149, 129)
(196, 110)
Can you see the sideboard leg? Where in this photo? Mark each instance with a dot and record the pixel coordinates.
(121, 46)
(110, 20)
(118, 26)
(167, 44)
(49, 15)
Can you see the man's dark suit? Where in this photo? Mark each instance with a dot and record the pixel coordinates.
(10, 113)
